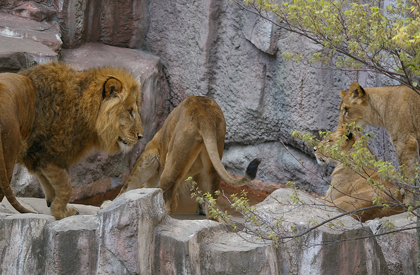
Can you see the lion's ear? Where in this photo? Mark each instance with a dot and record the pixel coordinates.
(356, 91)
(343, 93)
(111, 88)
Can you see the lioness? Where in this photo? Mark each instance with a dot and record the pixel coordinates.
(395, 108)
(190, 144)
(349, 190)
(17, 107)
(75, 112)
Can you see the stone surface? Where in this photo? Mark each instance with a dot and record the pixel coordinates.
(263, 97)
(126, 232)
(219, 50)
(35, 11)
(336, 256)
(278, 165)
(117, 23)
(399, 248)
(26, 43)
(134, 235)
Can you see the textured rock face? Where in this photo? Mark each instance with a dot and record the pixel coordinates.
(218, 50)
(133, 235)
(25, 43)
(117, 23)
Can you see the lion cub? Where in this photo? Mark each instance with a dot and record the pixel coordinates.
(349, 190)
(190, 144)
(395, 108)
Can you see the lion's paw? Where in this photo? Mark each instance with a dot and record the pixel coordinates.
(105, 204)
(69, 211)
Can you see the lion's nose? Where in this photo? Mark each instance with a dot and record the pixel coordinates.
(139, 136)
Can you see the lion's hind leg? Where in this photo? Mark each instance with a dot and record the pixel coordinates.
(60, 181)
(178, 163)
(8, 155)
(208, 182)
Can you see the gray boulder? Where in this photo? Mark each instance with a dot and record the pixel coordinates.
(26, 43)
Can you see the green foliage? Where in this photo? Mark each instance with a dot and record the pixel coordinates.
(353, 34)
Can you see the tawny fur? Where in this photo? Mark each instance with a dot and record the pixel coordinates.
(395, 108)
(190, 144)
(349, 190)
(17, 107)
(77, 111)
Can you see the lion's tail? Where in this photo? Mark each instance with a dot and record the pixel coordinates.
(5, 185)
(211, 146)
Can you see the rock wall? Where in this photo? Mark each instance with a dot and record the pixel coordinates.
(214, 48)
(134, 235)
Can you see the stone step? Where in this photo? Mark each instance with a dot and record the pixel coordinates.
(25, 43)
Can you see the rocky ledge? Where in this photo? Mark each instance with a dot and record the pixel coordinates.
(134, 235)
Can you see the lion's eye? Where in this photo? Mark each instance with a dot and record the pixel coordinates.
(329, 140)
(131, 113)
(346, 110)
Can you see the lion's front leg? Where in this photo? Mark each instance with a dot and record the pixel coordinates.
(60, 181)
(49, 190)
(408, 156)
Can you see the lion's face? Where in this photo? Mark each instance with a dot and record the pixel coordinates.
(119, 124)
(342, 137)
(353, 106)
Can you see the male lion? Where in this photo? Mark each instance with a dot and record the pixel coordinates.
(350, 190)
(17, 107)
(75, 112)
(395, 108)
(190, 144)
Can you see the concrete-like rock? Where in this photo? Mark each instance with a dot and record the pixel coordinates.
(47, 34)
(398, 248)
(110, 22)
(35, 11)
(26, 43)
(40, 206)
(219, 50)
(262, 33)
(343, 249)
(23, 243)
(73, 245)
(24, 184)
(178, 245)
(134, 235)
(263, 97)
(278, 165)
(127, 228)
